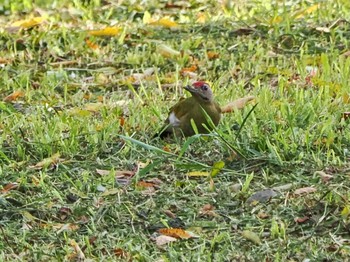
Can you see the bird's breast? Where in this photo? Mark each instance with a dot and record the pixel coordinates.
(173, 120)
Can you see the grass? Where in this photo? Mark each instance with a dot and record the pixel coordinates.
(87, 103)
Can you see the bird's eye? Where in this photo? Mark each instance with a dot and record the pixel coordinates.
(204, 87)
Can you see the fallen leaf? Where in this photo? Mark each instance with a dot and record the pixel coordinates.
(29, 23)
(345, 212)
(107, 31)
(46, 162)
(301, 220)
(5, 60)
(263, 215)
(170, 214)
(201, 18)
(165, 22)
(188, 69)
(237, 104)
(304, 191)
(175, 232)
(212, 55)
(217, 168)
(283, 187)
(66, 227)
(261, 196)
(124, 173)
(8, 187)
(103, 172)
(14, 96)
(324, 177)
(197, 174)
(323, 29)
(307, 11)
(208, 210)
(91, 44)
(79, 253)
(253, 237)
(64, 213)
(110, 192)
(346, 54)
(121, 253)
(144, 184)
(167, 51)
(163, 240)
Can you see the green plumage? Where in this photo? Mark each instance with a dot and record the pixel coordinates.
(192, 108)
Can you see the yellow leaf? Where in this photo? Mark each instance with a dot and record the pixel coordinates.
(107, 31)
(346, 98)
(201, 18)
(307, 11)
(14, 96)
(217, 168)
(167, 51)
(276, 20)
(147, 18)
(345, 212)
(29, 23)
(197, 174)
(165, 22)
(175, 232)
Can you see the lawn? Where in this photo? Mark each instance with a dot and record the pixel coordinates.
(85, 85)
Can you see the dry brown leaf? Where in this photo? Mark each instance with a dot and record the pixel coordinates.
(189, 69)
(163, 240)
(46, 162)
(144, 184)
(301, 220)
(175, 232)
(212, 55)
(346, 54)
(304, 191)
(79, 253)
(65, 227)
(263, 215)
(237, 104)
(324, 177)
(5, 60)
(121, 253)
(208, 210)
(91, 44)
(14, 96)
(169, 213)
(9, 187)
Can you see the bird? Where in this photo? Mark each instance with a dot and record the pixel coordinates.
(192, 109)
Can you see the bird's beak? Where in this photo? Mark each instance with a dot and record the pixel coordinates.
(190, 89)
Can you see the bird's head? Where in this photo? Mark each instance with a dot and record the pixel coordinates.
(201, 90)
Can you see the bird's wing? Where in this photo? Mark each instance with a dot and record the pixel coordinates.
(181, 108)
